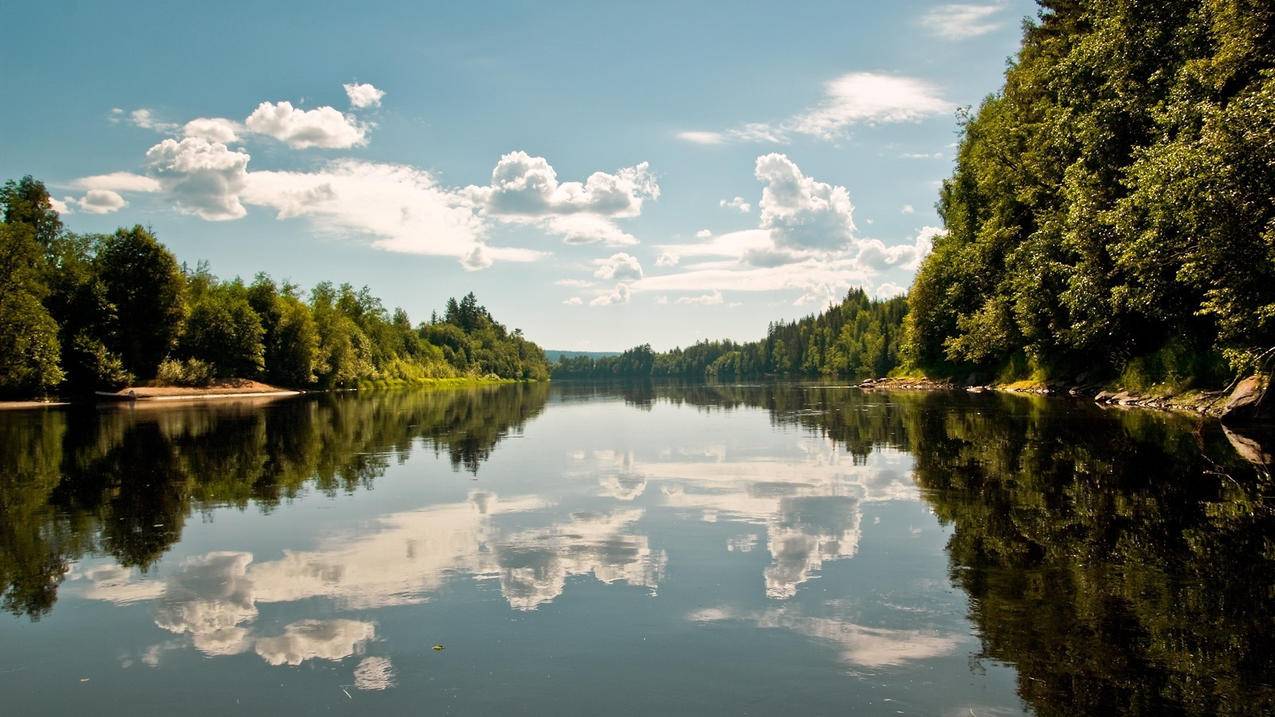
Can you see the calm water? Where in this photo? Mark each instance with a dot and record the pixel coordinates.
(582, 550)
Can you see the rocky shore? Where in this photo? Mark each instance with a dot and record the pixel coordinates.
(1242, 404)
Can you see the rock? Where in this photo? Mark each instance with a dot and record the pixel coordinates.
(1243, 403)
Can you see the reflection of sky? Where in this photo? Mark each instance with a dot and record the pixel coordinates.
(858, 645)
(213, 598)
(796, 496)
(810, 502)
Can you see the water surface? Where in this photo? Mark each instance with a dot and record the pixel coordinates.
(637, 549)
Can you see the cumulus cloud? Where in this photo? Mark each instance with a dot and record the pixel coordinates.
(907, 209)
(363, 95)
(525, 189)
(888, 290)
(619, 266)
(800, 212)
(204, 178)
(806, 242)
(403, 209)
(619, 295)
(213, 129)
(738, 204)
(523, 184)
(875, 254)
(961, 21)
(573, 301)
(101, 201)
(323, 127)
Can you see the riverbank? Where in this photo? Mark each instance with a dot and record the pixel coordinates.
(241, 389)
(1242, 402)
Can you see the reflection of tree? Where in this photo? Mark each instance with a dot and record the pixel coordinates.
(123, 482)
(1107, 557)
(1121, 560)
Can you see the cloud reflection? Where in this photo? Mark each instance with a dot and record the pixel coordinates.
(858, 645)
(810, 504)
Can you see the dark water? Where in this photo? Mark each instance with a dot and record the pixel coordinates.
(581, 550)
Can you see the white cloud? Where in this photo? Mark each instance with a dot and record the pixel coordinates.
(204, 178)
(118, 182)
(574, 283)
(525, 189)
(869, 97)
(101, 201)
(738, 204)
(921, 155)
(712, 298)
(402, 208)
(889, 290)
(875, 254)
(213, 129)
(667, 259)
(522, 184)
(61, 206)
(852, 98)
(145, 118)
(699, 137)
(586, 229)
(619, 295)
(323, 127)
(573, 301)
(363, 95)
(620, 267)
(703, 234)
(800, 212)
(960, 21)
(907, 209)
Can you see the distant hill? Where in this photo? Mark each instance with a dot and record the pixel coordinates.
(552, 355)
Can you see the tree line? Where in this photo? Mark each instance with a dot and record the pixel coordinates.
(84, 312)
(1112, 209)
(856, 338)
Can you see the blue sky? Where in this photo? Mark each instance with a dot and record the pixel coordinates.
(600, 174)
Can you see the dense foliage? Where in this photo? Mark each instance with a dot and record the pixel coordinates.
(857, 338)
(1113, 206)
(86, 312)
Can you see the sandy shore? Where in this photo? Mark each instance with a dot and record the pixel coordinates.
(225, 389)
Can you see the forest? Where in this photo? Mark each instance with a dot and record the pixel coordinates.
(856, 338)
(1112, 208)
(80, 313)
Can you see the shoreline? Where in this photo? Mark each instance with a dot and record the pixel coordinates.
(133, 395)
(1240, 404)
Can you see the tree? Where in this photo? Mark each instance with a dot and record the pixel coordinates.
(29, 351)
(224, 330)
(143, 282)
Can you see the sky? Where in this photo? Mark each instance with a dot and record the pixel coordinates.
(600, 174)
